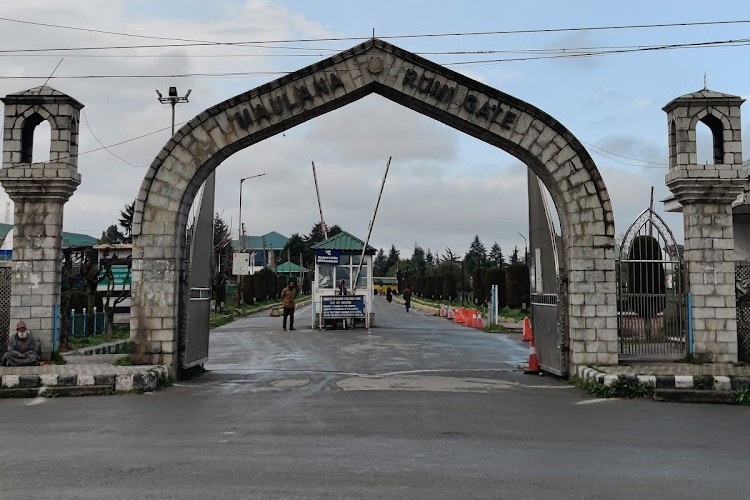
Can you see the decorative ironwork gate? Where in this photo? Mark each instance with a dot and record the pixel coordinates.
(5, 288)
(742, 277)
(651, 298)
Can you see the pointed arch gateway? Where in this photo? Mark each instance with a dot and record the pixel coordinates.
(508, 123)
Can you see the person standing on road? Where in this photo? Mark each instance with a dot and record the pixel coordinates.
(389, 295)
(407, 298)
(288, 295)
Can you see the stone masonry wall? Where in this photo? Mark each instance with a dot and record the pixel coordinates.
(709, 252)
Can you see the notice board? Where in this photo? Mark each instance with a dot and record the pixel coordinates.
(342, 306)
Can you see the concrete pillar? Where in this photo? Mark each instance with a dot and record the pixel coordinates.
(39, 192)
(706, 193)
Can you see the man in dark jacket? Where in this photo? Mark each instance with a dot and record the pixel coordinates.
(288, 295)
(407, 298)
(22, 348)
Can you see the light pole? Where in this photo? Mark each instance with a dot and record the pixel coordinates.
(173, 99)
(241, 237)
(527, 282)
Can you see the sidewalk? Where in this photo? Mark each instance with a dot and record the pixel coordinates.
(86, 373)
(678, 382)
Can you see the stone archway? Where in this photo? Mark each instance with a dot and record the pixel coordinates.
(534, 137)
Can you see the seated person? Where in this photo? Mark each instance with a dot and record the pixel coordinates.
(22, 348)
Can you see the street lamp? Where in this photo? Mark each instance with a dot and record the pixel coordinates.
(527, 283)
(241, 236)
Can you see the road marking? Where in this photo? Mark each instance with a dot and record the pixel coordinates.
(36, 401)
(594, 401)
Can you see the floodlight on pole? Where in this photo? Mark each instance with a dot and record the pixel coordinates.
(173, 99)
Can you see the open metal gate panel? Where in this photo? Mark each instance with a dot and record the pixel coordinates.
(651, 299)
(196, 323)
(548, 285)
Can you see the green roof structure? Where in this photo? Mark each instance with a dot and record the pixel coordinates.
(268, 241)
(290, 267)
(345, 242)
(68, 239)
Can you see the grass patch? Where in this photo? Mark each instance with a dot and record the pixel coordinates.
(124, 361)
(231, 312)
(119, 332)
(165, 380)
(498, 329)
(742, 396)
(621, 388)
(58, 359)
(505, 314)
(691, 360)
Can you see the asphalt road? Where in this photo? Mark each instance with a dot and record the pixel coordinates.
(415, 408)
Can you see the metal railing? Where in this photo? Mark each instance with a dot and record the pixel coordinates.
(79, 323)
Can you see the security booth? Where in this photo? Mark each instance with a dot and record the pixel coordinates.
(337, 259)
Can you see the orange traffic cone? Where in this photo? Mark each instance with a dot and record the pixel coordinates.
(527, 335)
(533, 360)
(478, 323)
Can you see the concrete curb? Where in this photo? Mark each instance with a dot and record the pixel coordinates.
(677, 388)
(72, 384)
(109, 348)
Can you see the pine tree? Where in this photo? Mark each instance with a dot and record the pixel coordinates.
(476, 257)
(418, 259)
(379, 264)
(495, 256)
(393, 257)
(126, 222)
(429, 259)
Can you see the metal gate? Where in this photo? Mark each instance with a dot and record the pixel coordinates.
(742, 277)
(651, 298)
(199, 280)
(5, 289)
(548, 284)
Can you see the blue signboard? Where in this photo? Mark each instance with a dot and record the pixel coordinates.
(327, 257)
(343, 306)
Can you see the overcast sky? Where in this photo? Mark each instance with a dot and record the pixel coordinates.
(443, 187)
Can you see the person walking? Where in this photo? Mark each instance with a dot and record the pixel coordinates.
(407, 298)
(288, 296)
(389, 295)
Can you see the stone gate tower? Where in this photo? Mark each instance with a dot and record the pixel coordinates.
(706, 193)
(39, 191)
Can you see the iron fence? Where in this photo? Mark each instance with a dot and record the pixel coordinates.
(79, 323)
(742, 288)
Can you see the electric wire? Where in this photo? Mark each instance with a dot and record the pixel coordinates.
(421, 35)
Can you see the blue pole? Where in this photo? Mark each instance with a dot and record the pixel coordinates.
(84, 322)
(690, 323)
(95, 332)
(72, 323)
(55, 328)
